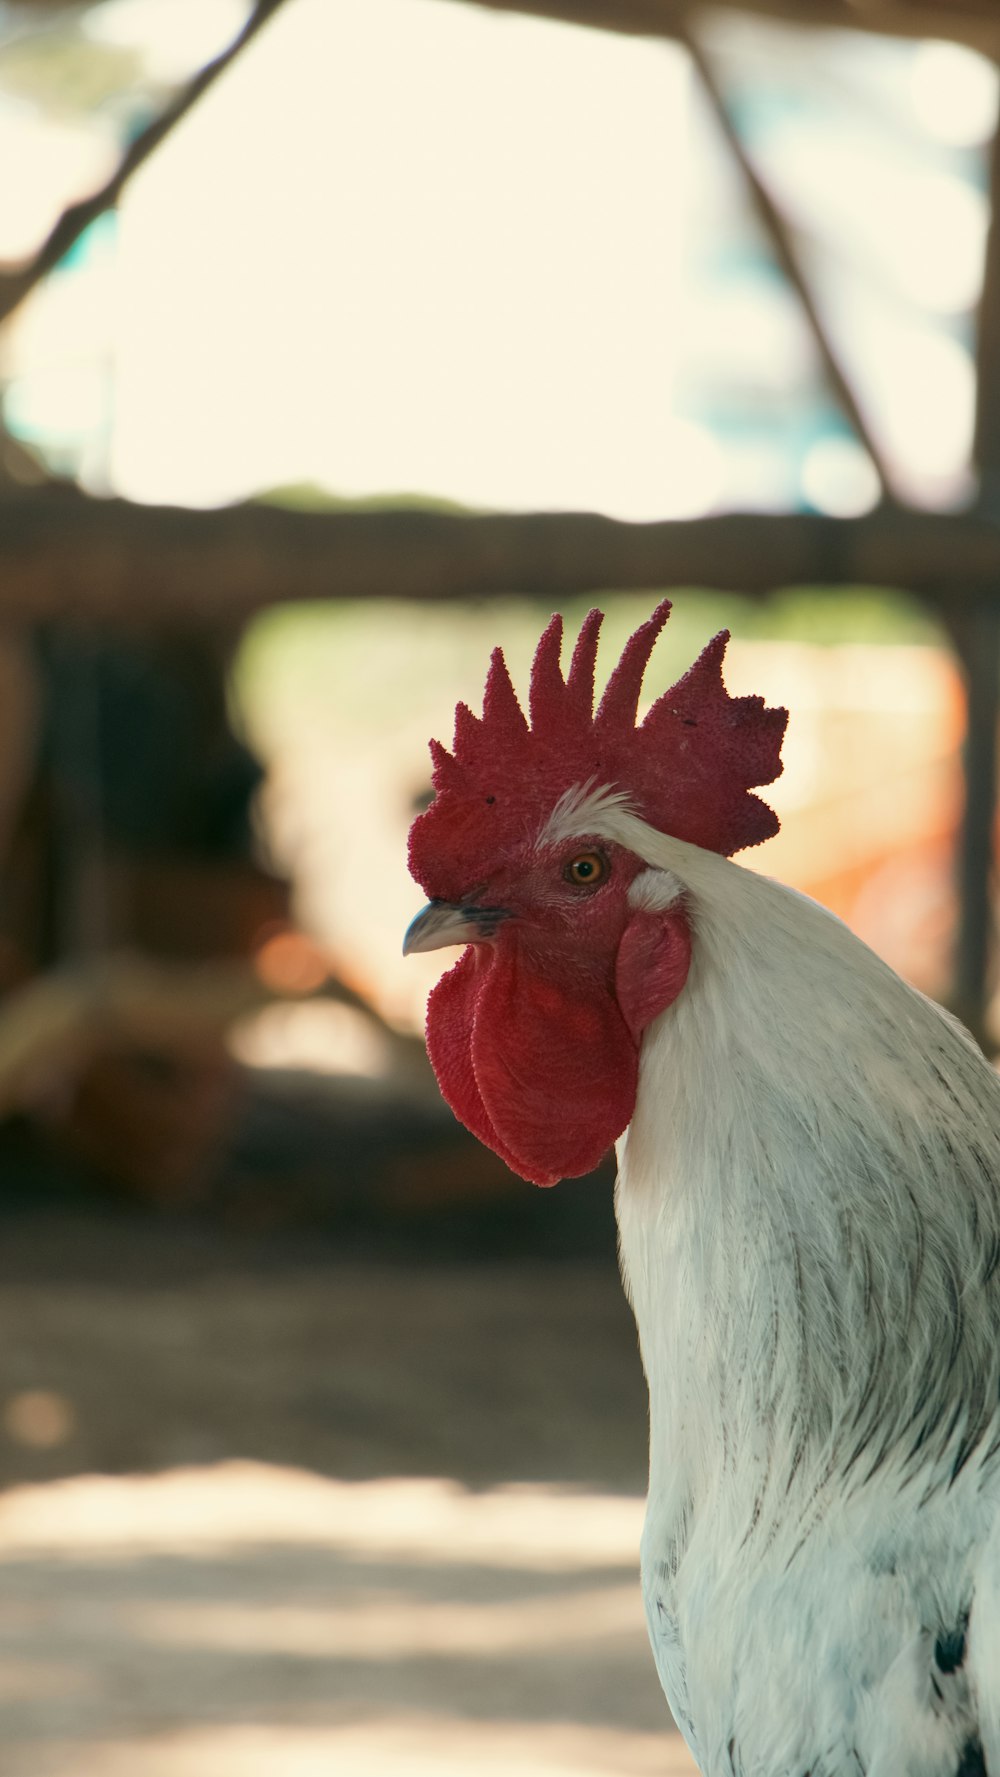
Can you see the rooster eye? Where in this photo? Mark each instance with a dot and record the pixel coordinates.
(587, 869)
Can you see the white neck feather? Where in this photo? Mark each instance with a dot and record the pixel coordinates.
(807, 1198)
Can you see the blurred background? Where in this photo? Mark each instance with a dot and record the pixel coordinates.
(341, 340)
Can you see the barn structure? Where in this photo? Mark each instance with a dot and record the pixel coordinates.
(71, 564)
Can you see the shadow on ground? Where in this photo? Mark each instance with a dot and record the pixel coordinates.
(238, 1557)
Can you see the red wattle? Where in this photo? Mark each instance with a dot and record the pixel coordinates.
(451, 1012)
(543, 1072)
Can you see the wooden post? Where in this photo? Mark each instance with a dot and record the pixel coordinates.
(976, 632)
(977, 639)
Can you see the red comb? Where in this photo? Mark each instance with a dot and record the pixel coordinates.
(688, 769)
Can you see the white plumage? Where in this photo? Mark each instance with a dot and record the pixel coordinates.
(810, 1235)
(808, 1205)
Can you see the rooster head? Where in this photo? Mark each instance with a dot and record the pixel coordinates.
(534, 1034)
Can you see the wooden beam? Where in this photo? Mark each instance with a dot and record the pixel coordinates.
(64, 556)
(973, 22)
(53, 1025)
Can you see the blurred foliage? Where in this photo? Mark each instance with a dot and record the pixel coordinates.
(63, 71)
(308, 496)
(370, 658)
(376, 661)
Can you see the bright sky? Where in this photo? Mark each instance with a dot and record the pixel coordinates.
(412, 246)
(415, 246)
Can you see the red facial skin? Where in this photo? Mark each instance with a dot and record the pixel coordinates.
(534, 1034)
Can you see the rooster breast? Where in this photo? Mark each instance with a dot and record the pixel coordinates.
(810, 1237)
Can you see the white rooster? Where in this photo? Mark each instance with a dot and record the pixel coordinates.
(808, 1203)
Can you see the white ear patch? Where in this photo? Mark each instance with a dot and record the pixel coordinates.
(654, 891)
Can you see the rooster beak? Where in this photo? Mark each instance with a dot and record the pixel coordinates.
(448, 922)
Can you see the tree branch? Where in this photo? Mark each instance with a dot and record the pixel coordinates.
(782, 246)
(15, 286)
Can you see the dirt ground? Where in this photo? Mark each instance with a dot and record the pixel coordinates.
(279, 1509)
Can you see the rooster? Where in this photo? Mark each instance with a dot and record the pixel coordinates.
(808, 1205)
